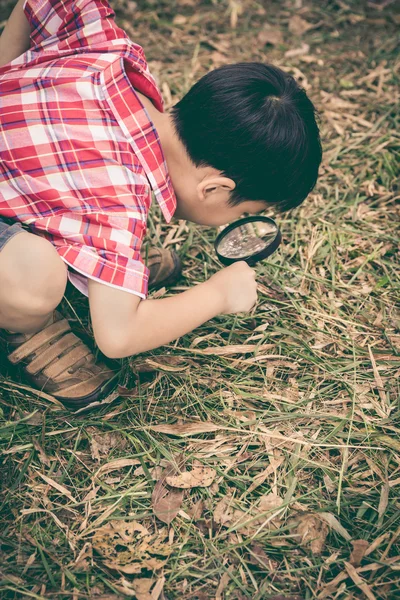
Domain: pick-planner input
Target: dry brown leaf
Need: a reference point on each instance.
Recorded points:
(360, 583)
(304, 49)
(330, 486)
(199, 476)
(219, 59)
(270, 36)
(188, 428)
(142, 587)
(311, 531)
(261, 477)
(164, 362)
(258, 557)
(358, 552)
(235, 9)
(63, 490)
(179, 20)
(166, 502)
(118, 463)
(157, 589)
(235, 349)
(379, 382)
(224, 512)
(196, 510)
(383, 500)
(298, 26)
(223, 583)
(333, 522)
(42, 454)
(91, 494)
(250, 521)
(269, 502)
(129, 547)
(84, 560)
(101, 444)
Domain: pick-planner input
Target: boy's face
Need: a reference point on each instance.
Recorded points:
(219, 214)
(206, 202)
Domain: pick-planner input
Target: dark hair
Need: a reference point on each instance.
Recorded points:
(253, 122)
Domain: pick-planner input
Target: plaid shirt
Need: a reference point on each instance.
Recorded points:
(79, 155)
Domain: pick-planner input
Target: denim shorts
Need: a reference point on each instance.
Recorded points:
(8, 229)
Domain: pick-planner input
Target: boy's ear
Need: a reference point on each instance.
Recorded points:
(212, 184)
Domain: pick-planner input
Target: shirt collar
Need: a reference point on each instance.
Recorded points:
(139, 129)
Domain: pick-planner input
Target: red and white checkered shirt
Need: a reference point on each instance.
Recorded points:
(79, 154)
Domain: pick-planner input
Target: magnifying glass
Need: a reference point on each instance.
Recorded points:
(250, 239)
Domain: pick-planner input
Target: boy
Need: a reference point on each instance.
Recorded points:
(83, 141)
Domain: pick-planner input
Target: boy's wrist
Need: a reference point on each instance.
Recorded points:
(215, 295)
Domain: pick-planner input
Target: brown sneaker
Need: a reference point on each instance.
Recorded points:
(165, 267)
(56, 361)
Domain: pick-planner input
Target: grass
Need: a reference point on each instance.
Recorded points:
(300, 397)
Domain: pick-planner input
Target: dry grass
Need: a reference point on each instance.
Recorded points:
(293, 409)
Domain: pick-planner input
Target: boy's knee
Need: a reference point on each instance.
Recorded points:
(36, 277)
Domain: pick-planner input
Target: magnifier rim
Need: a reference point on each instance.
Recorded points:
(250, 258)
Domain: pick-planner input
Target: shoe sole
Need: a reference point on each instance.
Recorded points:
(96, 396)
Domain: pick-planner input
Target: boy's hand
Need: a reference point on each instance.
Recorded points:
(238, 287)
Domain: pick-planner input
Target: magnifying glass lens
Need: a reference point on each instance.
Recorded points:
(250, 239)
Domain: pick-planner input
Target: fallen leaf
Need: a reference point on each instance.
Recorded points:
(34, 418)
(142, 588)
(234, 349)
(258, 556)
(91, 494)
(270, 36)
(353, 18)
(261, 477)
(248, 522)
(383, 500)
(304, 49)
(298, 26)
(171, 364)
(166, 502)
(157, 589)
(358, 552)
(125, 392)
(332, 521)
(269, 502)
(223, 583)
(84, 560)
(360, 583)
(196, 510)
(188, 428)
(129, 547)
(102, 443)
(118, 463)
(63, 490)
(29, 562)
(199, 476)
(330, 486)
(311, 531)
(219, 59)
(42, 454)
(223, 513)
(179, 20)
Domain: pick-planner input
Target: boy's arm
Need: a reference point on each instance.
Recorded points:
(124, 325)
(15, 40)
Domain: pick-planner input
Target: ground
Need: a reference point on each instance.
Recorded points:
(284, 422)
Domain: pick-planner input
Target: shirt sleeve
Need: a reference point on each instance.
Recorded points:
(70, 24)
